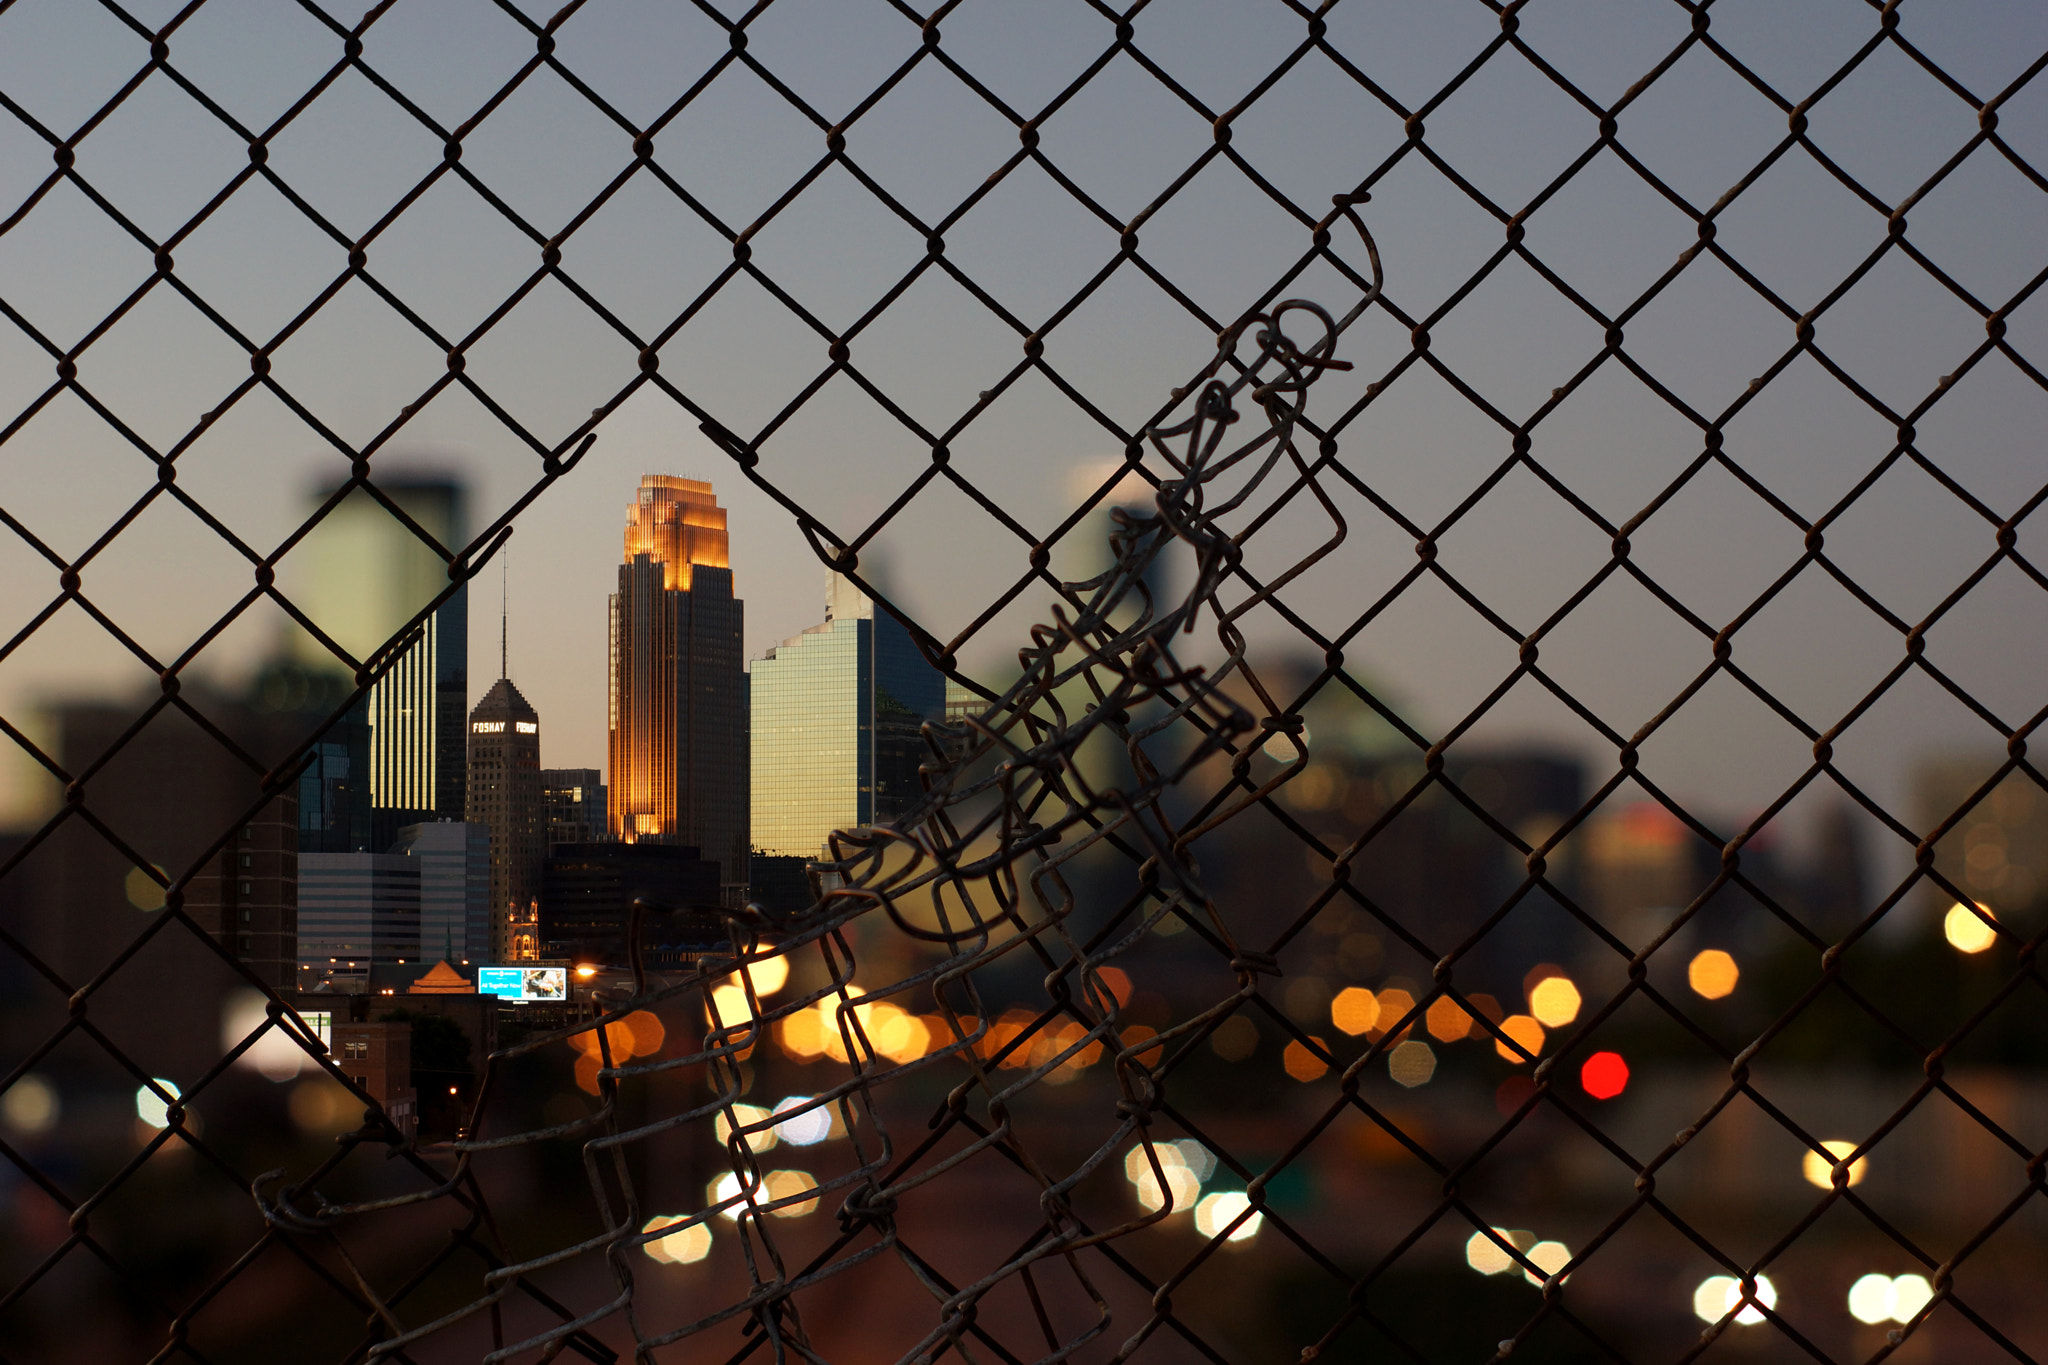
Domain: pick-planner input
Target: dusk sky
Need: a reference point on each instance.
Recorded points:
(66, 474)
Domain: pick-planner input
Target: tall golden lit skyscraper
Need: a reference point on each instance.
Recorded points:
(678, 682)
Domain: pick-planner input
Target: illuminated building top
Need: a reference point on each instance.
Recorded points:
(677, 523)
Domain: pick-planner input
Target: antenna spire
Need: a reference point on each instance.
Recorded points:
(504, 607)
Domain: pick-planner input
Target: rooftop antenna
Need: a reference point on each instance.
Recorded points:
(504, 608)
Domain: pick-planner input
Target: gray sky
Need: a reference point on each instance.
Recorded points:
(66, 474)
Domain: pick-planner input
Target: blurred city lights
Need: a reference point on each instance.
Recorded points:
(1910, 1294)
(1196, 1158)
(1820, 1170)
(768, 975)
(781, 1185)
(1522, 1030)
(1968, 930)
(745, 1116)
(1549, 1257)
(1302, 1063)
(1712, 974)
(274, 1054)
(891, 1031)
(1554, 1001)
(1181, 1184)
(681, 1247)
(727, 1187)
(806, 1129)
(1718, 1294)
(1394, 1006)
(1879, 1298)
(729, 1003)
(150, 1107)
(1218, 1211)
(1604, 1075)
(1447, 1020)
(1355, 1010)
(1486, 1255)
(30, 1106)
(1411, 1063)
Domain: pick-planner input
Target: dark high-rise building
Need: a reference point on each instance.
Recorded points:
(505, 797)
(572, 806)
(456, 923)
(836, 717)
(361, 575)
(170, 792)
(587, 897)
(678, 682)
(249, 897)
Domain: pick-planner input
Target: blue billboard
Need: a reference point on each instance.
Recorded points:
(524, 984)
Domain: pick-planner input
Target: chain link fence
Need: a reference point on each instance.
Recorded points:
(1178, 1021)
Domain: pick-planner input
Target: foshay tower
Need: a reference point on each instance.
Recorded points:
(505, 798)
(678, 682)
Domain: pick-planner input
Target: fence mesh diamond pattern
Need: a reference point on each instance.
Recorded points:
(1076, 1052)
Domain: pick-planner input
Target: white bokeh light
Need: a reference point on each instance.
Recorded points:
(1217, 1211)
(806, 1129)
(150, 1107)
(1719, 1293)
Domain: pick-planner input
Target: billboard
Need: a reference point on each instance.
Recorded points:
(524, 983)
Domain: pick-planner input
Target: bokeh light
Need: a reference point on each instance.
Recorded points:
(781, 1185)
(1522, 1030)
(805, 1129)
(1604, 1075)
(1712, 974)
(1355, 1010)
(1910, 1294)
(30, 1106)
(727, 1187)
(1447, 1020)
(745, 1116)
(144, 892)
(1717, 1294)
(150, 1107)
(1217, 1211)
(1967, 930)
(1394, 1006)
(1549, 1257)
(1820, 1170)
(1181, 1184)
(1554, 1001)
(1486, 1255)
(1411, 1063)
(1302, 1063)
(729, 1003)
(683, 1246)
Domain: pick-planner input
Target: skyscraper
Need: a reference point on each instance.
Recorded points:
(504, 796)
(678, 682)
(455, 884)
(835, 725)
(573, 805)
(361, 575)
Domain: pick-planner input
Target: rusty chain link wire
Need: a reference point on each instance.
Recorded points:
(1082, 844)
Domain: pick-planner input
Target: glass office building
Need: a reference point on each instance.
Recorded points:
(361, 575)
(678, 698)
(356, 911)
(835, 725)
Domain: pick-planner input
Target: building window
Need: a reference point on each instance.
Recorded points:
(248, 888)
(245, 860)
(248, 833)
(245, 914)
(247, 945)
